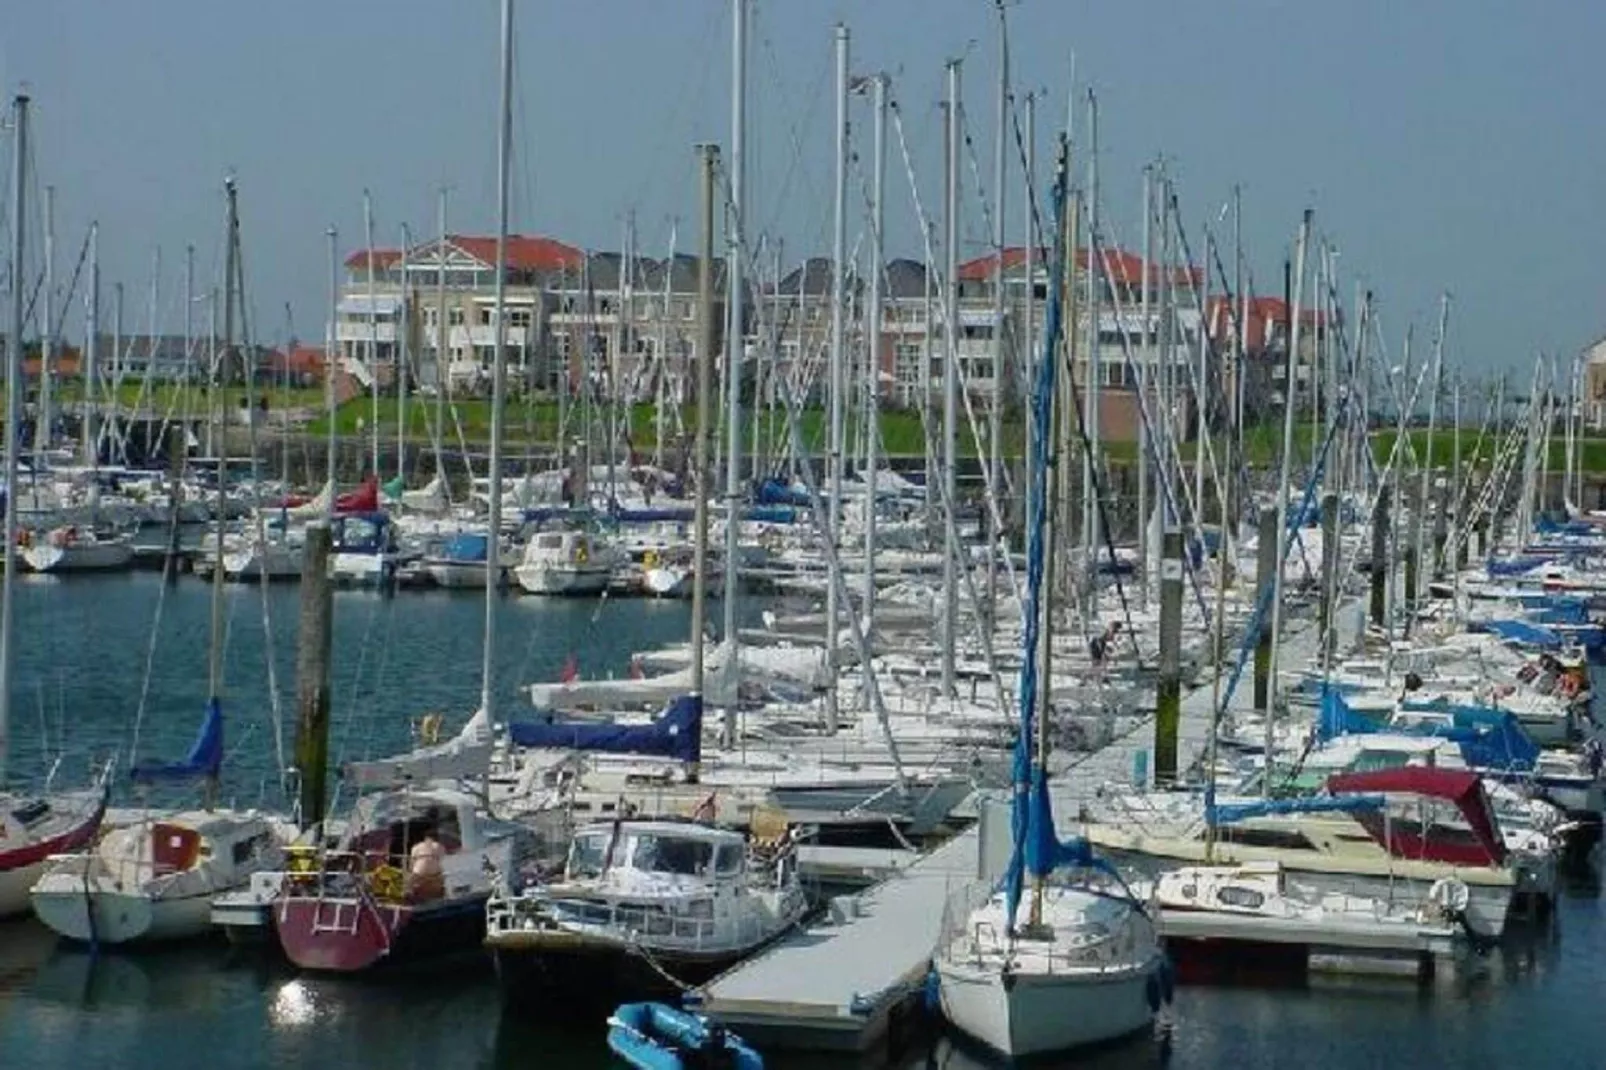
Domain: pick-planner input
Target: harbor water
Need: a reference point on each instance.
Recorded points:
(117, 666)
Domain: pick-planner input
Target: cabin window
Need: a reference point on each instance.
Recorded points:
(245, 849)
(1288, 839)
(728, 860)
(552, 541)
(661, 854)
(1244, 898)
(588, 856)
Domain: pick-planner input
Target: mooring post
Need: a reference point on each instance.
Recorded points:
(1266, 565)
(313, 649)
(1168, 692)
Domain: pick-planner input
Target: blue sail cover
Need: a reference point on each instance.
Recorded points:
(775, 492)
(1513, 566)
(467, 547)
(1337, 719)
(1524, 634)
(205, 759)
(676, 733)
(679, 515)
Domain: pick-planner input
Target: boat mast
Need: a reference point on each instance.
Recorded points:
(442, 374)
(403, 331)
(86, 429)
(329, 367)
(231, 253)
(1146, 368)
(493, 553)
(1095, 362)
(949, 633)
(735, 320)
(19, 151)
(995, 421)
(41, 433)
(878, 169)
(838, 386)
(373, 327)
(708, 156)
(1282, 487)
(1425, 482)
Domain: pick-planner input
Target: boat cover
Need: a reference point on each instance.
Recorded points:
(677, 733)
(465, 755)
(1405, 839)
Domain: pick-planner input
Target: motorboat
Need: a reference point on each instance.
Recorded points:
(460, 563)
(364, 552)
(639, 902)
(565, 563)
(155, 880)
(656, 1036)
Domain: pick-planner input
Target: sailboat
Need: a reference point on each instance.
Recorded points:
(1086, 965)
(356, 908)
(155, 879)
(32, 827)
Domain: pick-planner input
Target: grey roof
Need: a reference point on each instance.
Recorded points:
(906, 278)
(604, 270)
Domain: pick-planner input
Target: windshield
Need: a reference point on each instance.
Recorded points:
(661, 854)
(587, 855)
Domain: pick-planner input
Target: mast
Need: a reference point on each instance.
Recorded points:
(833, 608)
(995, 416)
(19, 151)
(708, 158)
(1028, 201)
(1095, 357)
(330, 364)
(442, 373)
(1425, 482)
(403, 330)
(231, 254)
(950, 392)
(373, 328)
(1145, 374)
(735, 336)
(493, 554)
(1282, 487)
(86, 427)
(878, 170)
(47, 355)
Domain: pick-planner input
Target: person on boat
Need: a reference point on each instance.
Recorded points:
(1098, 647)
(426, 878)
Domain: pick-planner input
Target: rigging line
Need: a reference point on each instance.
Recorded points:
(797, 131)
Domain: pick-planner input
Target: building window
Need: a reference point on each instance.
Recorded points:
(485, 315)
(454, 317)
(688, 310)
(518, 317)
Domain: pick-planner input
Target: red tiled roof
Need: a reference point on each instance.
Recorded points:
(524, 252)
(1264, 312)
(383, 258)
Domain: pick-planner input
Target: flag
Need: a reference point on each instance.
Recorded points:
(571, 671)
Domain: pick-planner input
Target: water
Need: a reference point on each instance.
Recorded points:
(83, 645)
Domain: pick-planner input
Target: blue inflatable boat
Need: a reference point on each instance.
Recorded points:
(656, 1036)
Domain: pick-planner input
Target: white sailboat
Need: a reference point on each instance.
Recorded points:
(32, 827)
(1085, 966)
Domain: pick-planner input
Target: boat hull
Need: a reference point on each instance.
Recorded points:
(357, 934)
(457, 575)
(21, 867)
(79, 557)
(595, 973)
(1038, 1013)
(103, 915)
(543, 579)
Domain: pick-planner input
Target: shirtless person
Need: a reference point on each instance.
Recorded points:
(425, 877)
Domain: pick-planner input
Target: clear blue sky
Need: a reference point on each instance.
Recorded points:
(1445, 144)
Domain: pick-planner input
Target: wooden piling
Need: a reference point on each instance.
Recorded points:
(1168, 692)
(314, 643)
(1266, 565)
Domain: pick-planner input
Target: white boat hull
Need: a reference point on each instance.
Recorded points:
(546, 579)
(62, 904)
(1038, 1013)
(458, 575)
(79, 557)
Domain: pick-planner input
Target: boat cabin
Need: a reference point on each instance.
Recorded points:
(576, 548)
(664, 848)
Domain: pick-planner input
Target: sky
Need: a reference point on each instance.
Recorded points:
(1444, 145)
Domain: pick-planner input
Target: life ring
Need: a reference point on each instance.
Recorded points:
(580, 554)
(649, 560)
(1450, 895)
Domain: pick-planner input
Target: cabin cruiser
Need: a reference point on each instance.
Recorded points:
(75, 549)
(154, 880)
(364, 553)
(639, 900)
(565, 563)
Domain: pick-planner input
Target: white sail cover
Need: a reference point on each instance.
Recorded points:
(465, 755)
(430, 498)
(719, 689)
(318, 507)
